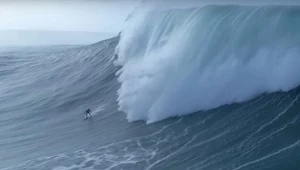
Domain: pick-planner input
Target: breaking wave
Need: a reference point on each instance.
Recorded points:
(178, 61)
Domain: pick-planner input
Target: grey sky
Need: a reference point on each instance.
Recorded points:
(84, 15)
(75, 15)
(102, 16)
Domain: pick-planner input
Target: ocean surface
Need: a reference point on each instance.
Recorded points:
(210, 88)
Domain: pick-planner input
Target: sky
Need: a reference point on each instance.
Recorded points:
(100, 19)
(65, 15)
(80, 15)
(51, 22)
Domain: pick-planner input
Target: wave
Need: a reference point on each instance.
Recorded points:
(178, 61)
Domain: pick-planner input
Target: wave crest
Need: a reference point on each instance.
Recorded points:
(179, 61)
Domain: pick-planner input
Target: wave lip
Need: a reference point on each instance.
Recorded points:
(179, 61)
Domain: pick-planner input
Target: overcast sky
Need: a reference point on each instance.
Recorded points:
(81, 15)
(65, 15)
(102, 16)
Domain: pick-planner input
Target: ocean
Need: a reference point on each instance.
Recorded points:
(208, 88)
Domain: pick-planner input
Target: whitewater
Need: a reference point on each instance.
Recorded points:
(202, 88)
(177, 62)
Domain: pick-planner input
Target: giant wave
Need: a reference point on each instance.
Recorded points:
(178, 61)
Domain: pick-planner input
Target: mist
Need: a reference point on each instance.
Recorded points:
(42, 38)
(32, 22)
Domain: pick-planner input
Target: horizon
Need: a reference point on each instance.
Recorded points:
(40, 30)
(83, 22)
(86, 16)
(49, 37)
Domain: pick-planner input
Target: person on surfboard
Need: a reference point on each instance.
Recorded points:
(88, 112)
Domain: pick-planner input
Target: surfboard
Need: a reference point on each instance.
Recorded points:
(85, 117)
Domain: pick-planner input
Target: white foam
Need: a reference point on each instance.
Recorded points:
(176, 62)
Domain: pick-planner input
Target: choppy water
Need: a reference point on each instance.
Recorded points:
(249, 125)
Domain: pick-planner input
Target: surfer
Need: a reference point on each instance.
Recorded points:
(88, 112)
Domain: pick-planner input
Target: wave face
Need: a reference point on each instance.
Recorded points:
(179, 61)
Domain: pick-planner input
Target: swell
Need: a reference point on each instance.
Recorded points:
(178, 61)
(55, 79)
(44, 92)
